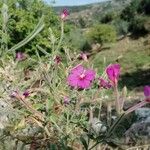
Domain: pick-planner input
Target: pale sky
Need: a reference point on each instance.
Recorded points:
(72, 2)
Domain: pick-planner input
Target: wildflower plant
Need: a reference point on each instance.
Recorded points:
(55, 101)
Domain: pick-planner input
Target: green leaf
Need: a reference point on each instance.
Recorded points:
(52, 147)
(38, 106)
(37, 29)
(84, 143)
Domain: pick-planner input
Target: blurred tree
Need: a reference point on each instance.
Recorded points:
(144, 7)
(77, 40)
(135, 14)
(138, 25)
(110, 16)
(23, 17)
(130, 11)
(101, 34)
(82, 22)
(122, 27)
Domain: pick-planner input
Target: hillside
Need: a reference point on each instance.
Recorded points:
(92, 13)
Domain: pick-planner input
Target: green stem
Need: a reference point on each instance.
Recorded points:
(114, 125)
(110, 131)
(61, 37)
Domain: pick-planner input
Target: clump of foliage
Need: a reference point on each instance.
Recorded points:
(144, 7)
(108, 17)
(130, 11)
(137, 14)
(76, 43)
(122, 26)
(102, 34)
(138, 25)
(23, 17)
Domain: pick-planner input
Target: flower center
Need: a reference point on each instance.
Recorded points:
(82, 76)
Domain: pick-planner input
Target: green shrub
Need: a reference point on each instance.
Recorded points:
(82, 22)
(23, 17)
(110, 16)
(77, 40)
(102, 33)
(136, 14)
(130, 11)
(121, 26)
(144, 7)
(138, 26)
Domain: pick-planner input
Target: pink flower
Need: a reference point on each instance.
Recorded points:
(66, 100)
(81, 77)
(147, 93)
(57, 60)
(83, 56)
(64, 14)
(104, 84)
(26, 94)
(20, 56)
(17, 95)
(113, 72)
(14, 94)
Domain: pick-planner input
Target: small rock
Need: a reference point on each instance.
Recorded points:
(98, 126)
(142, 113)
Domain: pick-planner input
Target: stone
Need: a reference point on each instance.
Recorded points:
(98, 126)
(142, 113)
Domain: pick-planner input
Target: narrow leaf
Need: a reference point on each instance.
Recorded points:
(37, 29)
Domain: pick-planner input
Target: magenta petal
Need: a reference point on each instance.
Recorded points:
(65, 11)
(87, 84)
(83, 56)
(116, 70)
(72, 77)
(66, 100)
(77, 70)
(147, 91)
(109, 72)
(84, 84)
(57, 60)
(26, 94)
(64, 14)
(20, 56)
(113, 72)
(14, 94)
(105, 84)
(72, 80)
(90, 74)
(73, 83)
